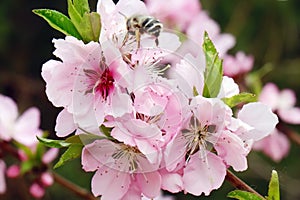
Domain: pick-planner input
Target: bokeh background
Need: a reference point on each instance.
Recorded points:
(267, 29)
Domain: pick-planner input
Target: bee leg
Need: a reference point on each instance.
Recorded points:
(156, 41)
(125, 39)
(138, 38)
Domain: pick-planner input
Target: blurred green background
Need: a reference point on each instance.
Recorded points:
(267, 29)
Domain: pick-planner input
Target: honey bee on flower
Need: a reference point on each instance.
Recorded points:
(139, 24)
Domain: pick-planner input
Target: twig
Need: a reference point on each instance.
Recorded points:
(239, 184)
(73, 187)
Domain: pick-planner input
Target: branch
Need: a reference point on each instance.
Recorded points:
(239, 184)
(73, 187)
(7, 148)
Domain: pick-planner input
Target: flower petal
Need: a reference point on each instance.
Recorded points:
(150, 183)
(260, 117)
(203, 176)
(27, 127)
(291, 116)
(64, 124)
(231, 148)
(110, 183)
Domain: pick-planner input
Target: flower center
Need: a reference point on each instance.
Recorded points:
(104, 85)
(130, 155)
(197, 136)
(101, 83)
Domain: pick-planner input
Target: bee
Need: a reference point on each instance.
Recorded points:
(140, 24)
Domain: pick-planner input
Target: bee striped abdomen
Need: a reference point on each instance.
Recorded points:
(152, 26)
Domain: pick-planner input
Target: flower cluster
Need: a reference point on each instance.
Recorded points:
(18, 137)
(277, 144)
(141, 92)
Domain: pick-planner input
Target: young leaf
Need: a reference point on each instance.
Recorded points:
(26, 166)
(105, 130)
(273, 192)
(243, 195)
(213, 72)
(74, 151)
(240, 98)
(83, 139)
(82, 6)
(88, 24)
(58, 21)
(53, 143)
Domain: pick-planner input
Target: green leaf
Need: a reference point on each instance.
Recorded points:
(74, 151)
(240, 98)
(82, 6)
(213, 72)
(105, 130)
(83, 139)
(243, 195)
(27, 166)
(53, 143)
(58, 21)
(273, 192)
(87, 24)
(195, 92)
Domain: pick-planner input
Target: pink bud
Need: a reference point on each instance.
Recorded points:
(47, 179)
(50, 155)
(22, 155)
(13, 171)
(36, 190)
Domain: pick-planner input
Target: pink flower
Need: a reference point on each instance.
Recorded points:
(202, 22)
(175, 13)
(158, 110)
(114, 28)
(276, 145)
(208, 119)
(23, 128)
(119, 169)
(282, 102)
(85, 83)
(2, 177)
(239, 64)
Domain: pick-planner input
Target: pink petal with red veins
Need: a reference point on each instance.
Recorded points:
(231, 148)
(202, 177)
(171, 182)
(97, 154)
(175, 152)
(110, 183)
(150, 151)
(149, 183)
